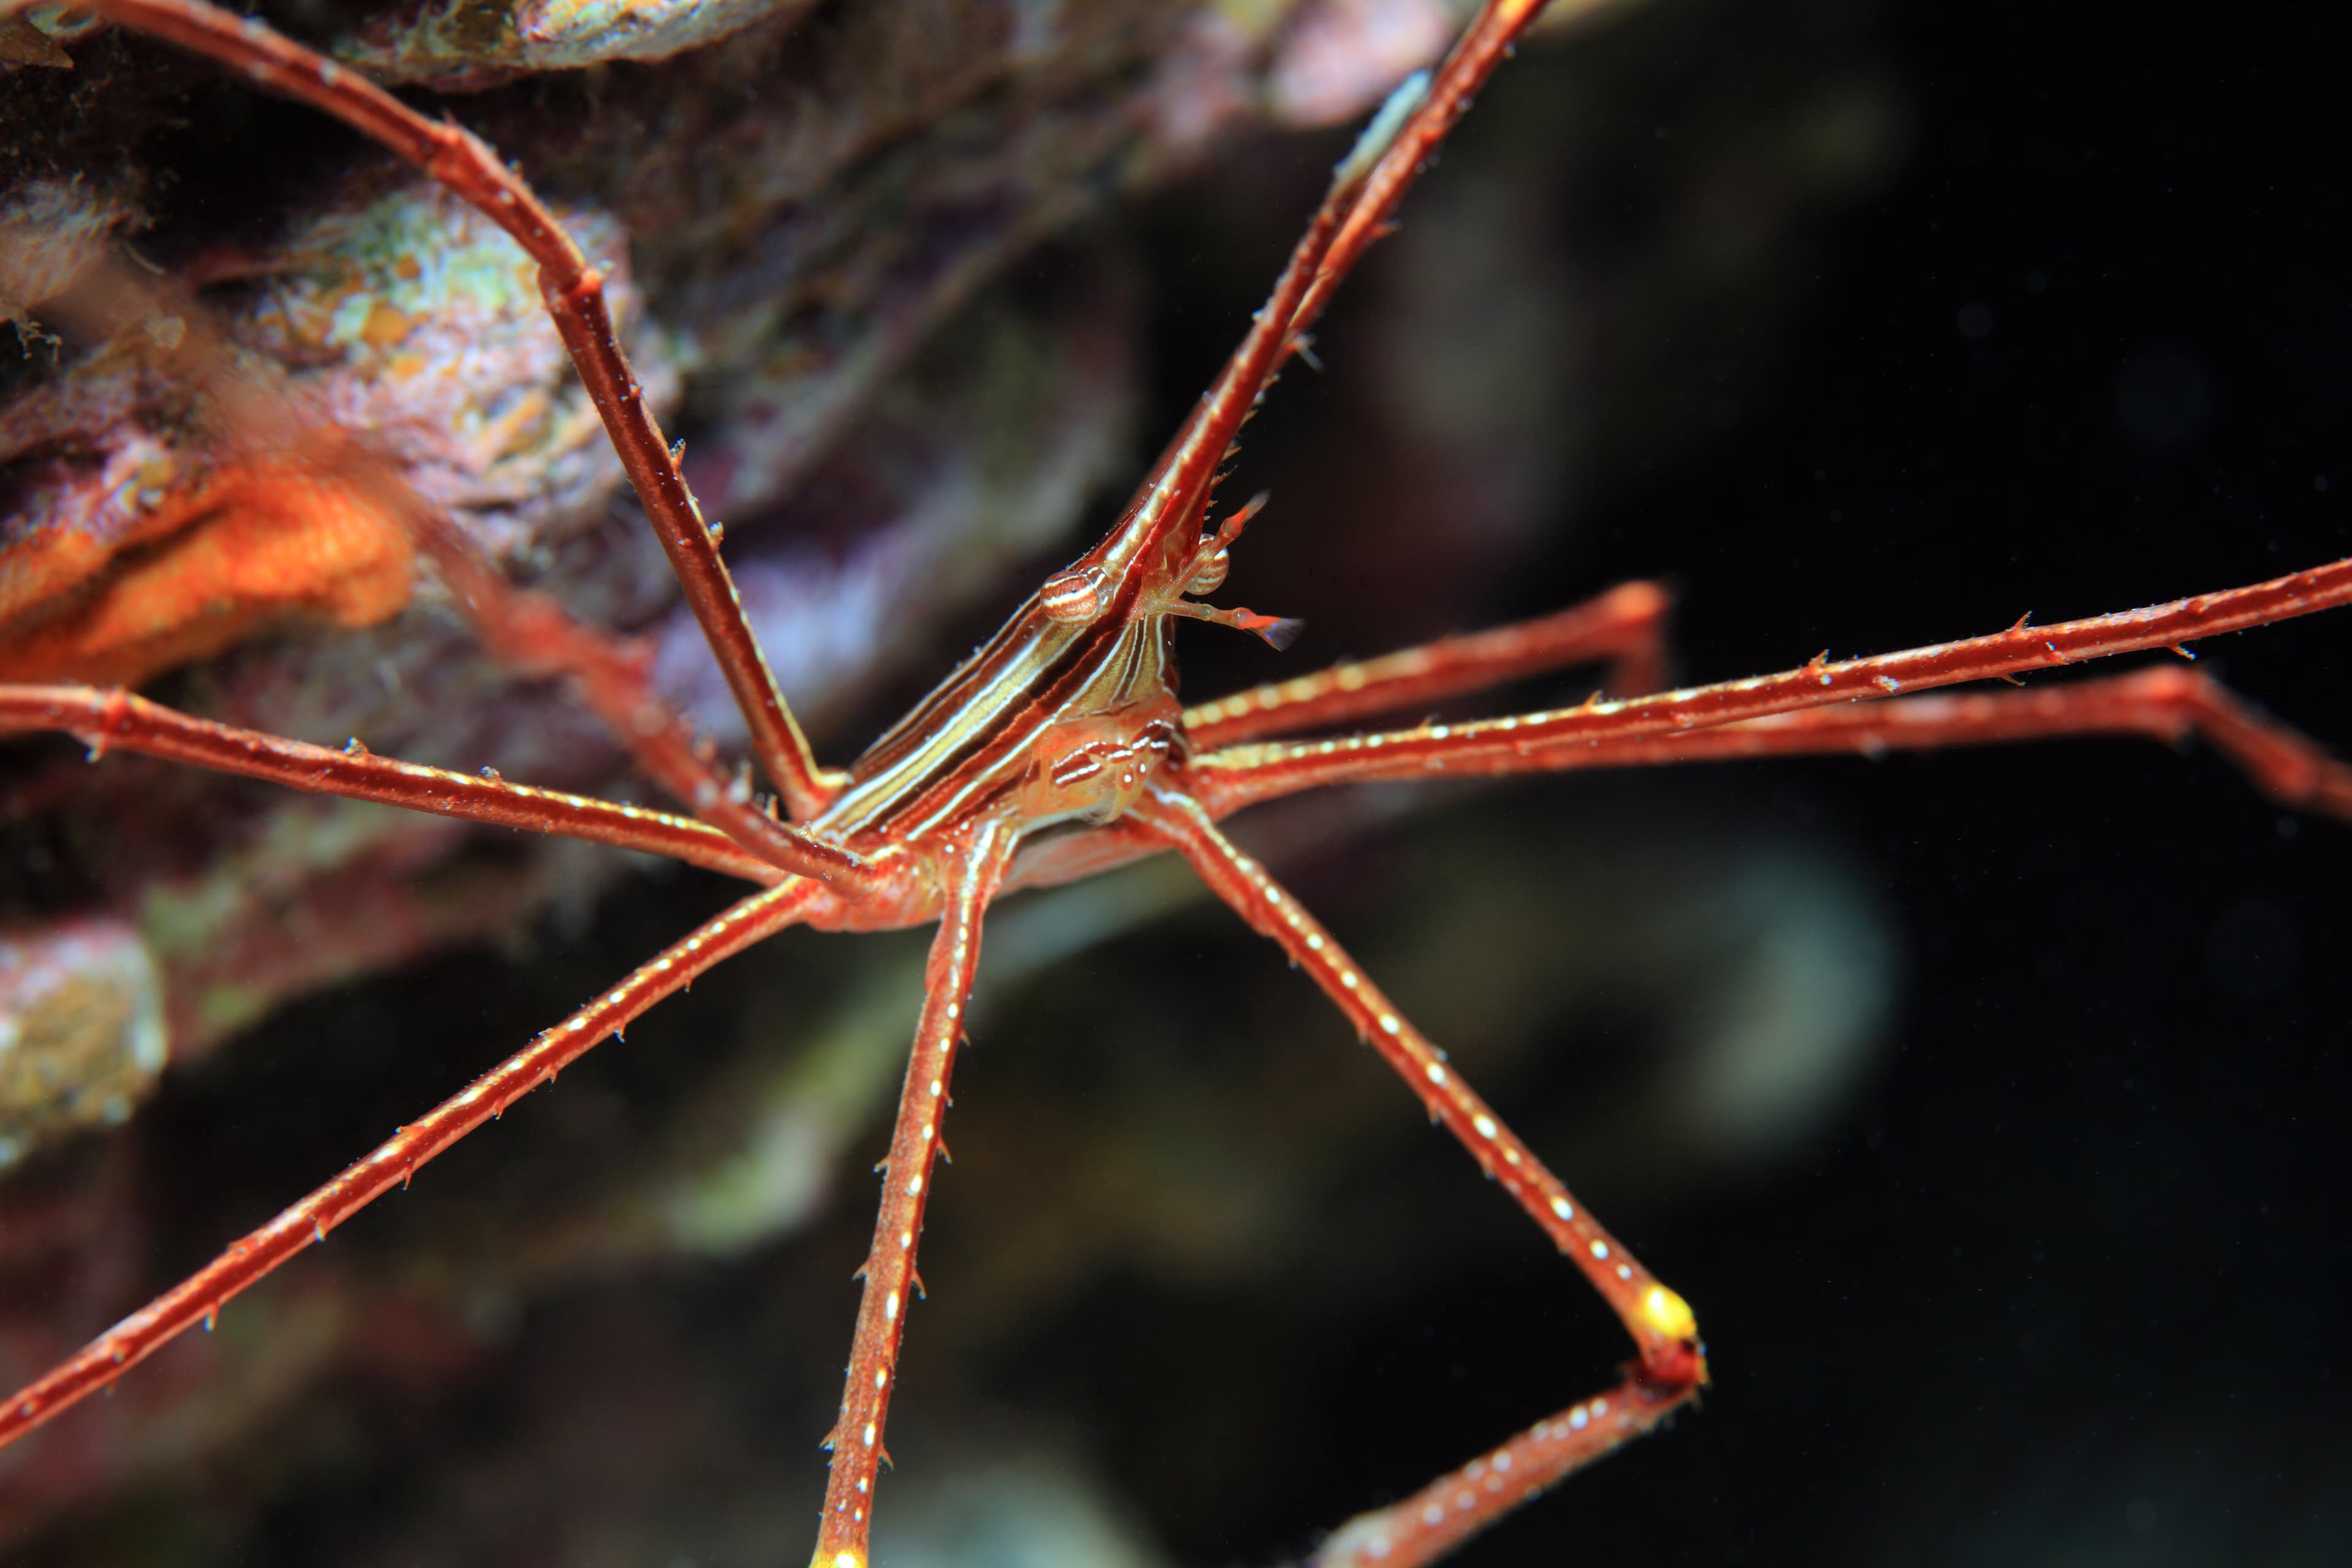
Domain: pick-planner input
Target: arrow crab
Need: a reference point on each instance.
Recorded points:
(1065, 733)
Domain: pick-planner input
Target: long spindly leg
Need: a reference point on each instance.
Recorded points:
(1226, 779)
(1671, 1367)
(976, 870)
(1484, 44)
(2165, 703)
(109, 719)
(534, 634)
(1401, 141)
(527, 631)
(196, 1298)
(575, 293)
(1626, 626)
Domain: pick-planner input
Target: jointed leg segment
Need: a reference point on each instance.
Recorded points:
(1449, 1510)
(1225, 780)
(111, 718)
(1673, 1367)
(1817, 708)
(2165, 703)
(1625, 627)
(574, 294)
(533, 634)
(891, 1283)
(527, 630)
(197, 1298)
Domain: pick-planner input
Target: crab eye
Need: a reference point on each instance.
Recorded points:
(1208, 573)
(1074, 596)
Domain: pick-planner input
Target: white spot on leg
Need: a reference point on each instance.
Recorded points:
(1563, 1209)
(1600, 1249)
(869, 1434)
(1485, 1126)
(914, 1185)
(891, 1308)
(1436, 1074)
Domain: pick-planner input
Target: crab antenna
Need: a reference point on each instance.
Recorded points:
(1232, 528)
(1278, 631)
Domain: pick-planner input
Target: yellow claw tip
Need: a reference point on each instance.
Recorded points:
(837, 1559)
(1669, 1314)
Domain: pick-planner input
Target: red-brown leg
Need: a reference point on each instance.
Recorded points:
(1225, 780)
(527, 631)
(2166, 703)
(1625, 627)
(1673, 1367)
(1401, 141)
(1484, 44)
(199, 1297)
(534, 634)
(109, 719)
(1449, 1510)
(977, 868)
(575, 293)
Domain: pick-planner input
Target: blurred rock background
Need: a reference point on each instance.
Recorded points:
(1983, 1105)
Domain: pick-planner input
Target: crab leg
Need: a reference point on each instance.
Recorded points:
(976, 870)
(1625, 625)
(2165, 703)
(1365, 190)
(532, 633)
(574, 294)
(1484, 44)
(1225, 780)
(1449, 1510)
(199, 1297)
(529, 631)
(109, 719)
(1673, 1367)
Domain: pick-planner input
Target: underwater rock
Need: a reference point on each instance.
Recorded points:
(81, 1030)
